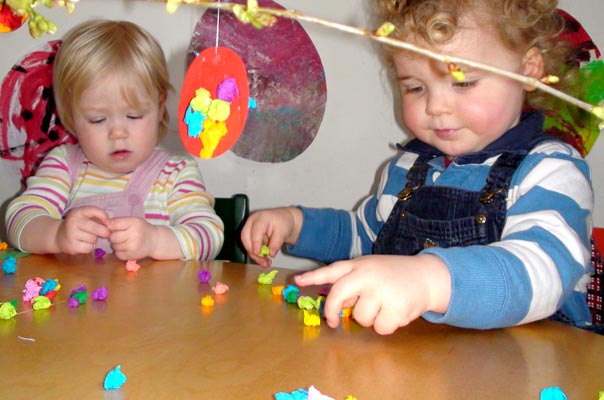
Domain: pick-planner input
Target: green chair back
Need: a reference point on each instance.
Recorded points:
(233, 211)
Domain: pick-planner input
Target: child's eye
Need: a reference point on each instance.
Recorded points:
(95, 121)
(413, 89)
(465, 84)
(135, 116)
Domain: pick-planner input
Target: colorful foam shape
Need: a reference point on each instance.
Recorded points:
(100, 294)
(552, 393)
(266, 278)
(9, 265)
(132, 266)
(114, 379)
(204, 276)
(7, 310)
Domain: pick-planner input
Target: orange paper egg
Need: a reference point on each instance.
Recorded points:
(218, 118)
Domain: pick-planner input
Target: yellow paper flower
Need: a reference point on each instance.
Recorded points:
(456, 72)
(250, 15)
(550, 79)
(386, 29)
(37, 23)
(599, 112)
(172, 5)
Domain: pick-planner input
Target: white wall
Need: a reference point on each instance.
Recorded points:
(357, 131)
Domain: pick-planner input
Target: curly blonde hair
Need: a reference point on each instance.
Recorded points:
(98, 47)
(520, 25)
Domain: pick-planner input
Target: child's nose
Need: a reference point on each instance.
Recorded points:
(118, 132)
(438, 104)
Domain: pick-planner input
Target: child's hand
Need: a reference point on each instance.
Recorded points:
(79, 230)
(271, 227)
(132, 238)
(387, 292)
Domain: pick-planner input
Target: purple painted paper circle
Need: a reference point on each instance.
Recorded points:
(286, 79)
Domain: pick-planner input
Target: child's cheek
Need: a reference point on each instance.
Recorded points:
(413, 115)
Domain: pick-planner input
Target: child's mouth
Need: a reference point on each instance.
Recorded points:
(120, 154)
(445, 133)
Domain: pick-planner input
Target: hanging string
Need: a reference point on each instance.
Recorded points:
(217, 29)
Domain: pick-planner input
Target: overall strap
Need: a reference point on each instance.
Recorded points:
(504, 168)
(416, 176)
(146, 174)
(500, 176)
(74, 160)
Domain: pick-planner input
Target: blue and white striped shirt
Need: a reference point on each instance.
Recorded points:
(540, 265)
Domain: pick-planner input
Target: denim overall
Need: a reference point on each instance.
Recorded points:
(430, 216)
(127, 203)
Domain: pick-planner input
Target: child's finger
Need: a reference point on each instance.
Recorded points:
(93, 228)
(385, 322)
(324, 275)
(264, 262)
(95, 213)
(252, 236)
(366, 310)
(245, 237)
(117, 224)
(341, 295)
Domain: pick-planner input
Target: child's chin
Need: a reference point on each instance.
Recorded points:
(122, 169)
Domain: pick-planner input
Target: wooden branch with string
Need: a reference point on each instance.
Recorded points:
(266, 17)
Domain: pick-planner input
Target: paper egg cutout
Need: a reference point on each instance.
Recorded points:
(213, 105)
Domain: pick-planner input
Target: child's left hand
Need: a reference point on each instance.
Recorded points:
(131, 238)
(387, 291)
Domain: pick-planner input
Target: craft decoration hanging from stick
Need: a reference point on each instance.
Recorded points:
(286, 79)
(29, 122)
(14, 13)
(571, 124)
(261, 17)
(9, 19)
(213, 104)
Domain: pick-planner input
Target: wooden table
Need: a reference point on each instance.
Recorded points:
(250, 344)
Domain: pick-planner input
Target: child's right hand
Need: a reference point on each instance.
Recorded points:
(272, 227)
(386, 291)
(79, 230)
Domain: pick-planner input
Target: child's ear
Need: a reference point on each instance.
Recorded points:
(162, 105)
(532, 65)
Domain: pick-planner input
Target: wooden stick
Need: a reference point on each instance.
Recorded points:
(598, 111)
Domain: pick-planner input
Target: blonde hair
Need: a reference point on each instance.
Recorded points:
(96, 48)
(519, 24)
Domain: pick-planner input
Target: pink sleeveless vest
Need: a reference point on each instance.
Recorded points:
(127, 203)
